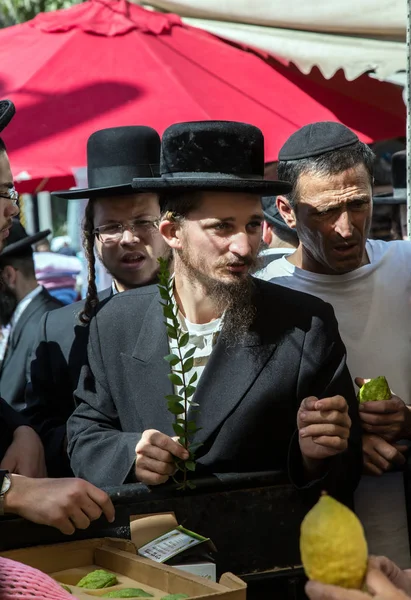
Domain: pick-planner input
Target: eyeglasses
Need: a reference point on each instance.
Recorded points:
(11, 194)
(114, 232)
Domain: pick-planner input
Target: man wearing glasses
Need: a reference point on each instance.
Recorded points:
(66, 503)
(120, 226)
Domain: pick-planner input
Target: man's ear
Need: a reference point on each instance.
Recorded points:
(170, 229)
(9, 276)
(267, 233)
(286, 211)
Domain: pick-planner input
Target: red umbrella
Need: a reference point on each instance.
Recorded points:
(107, 63)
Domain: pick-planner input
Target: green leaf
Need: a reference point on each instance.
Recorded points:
(183, 442)
(168, 312)
(178, 429)
(175, 379)
(171, 332)
(181, 421)
(191, 426)
(173, 359)
(188, 365)
(191, 466)
(183, 341)
(174, 398)
(189, 353)
(193, 378)
(163, 294)
(176, 409)
(190, 484)
(189, 391)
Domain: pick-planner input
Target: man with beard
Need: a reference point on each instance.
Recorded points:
(259, 378)
(67, 503)
(22, 304)
(121, 226)
(368, 283)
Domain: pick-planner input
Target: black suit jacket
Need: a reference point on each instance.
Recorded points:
(60, 350)
(248, 394)
(16, 363)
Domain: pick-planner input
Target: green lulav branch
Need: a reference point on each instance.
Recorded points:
(181, 362)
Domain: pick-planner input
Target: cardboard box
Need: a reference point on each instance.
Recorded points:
(156, 536)
(69, 562)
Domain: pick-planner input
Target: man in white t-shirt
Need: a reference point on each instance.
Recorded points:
(368, 283)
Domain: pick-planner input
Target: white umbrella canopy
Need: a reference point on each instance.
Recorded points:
(358, 36)
(363, 17)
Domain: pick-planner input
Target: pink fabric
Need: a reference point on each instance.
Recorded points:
(20, 582)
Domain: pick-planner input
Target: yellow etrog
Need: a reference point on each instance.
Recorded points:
(333, 546)
(375, 389)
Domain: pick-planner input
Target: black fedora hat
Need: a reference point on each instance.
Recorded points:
(19, 243)
(214, 156)
(115, 156)
(7, 112)
(399, 181)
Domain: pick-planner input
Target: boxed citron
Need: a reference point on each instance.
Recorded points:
(110, 568)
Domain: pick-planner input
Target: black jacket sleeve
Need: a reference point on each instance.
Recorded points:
(98, 449)
(332, 378)
(45, 395)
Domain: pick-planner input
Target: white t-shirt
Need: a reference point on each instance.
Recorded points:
(373, 308)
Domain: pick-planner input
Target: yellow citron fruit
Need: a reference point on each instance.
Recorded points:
(332, 544)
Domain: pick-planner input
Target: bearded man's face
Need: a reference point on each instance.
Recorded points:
(220, 241)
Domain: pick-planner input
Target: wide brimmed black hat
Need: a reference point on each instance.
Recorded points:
(19, 243)
(7, 112)
(399, 181)
(115, 157)
(215, 156)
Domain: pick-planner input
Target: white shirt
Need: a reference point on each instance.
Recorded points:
(373, 308)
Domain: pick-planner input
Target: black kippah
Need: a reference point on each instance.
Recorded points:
(316, 139)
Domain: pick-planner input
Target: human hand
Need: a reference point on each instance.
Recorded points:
(66, 504)
(390, 419)
(324, 427)
(155, 454)
(401, 579)
(378, 586)
(379, 456)
(25, 455)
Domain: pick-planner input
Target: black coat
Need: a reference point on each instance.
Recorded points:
(248, 394)
(60, 350)
(16, 363)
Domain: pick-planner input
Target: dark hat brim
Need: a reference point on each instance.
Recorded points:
(101, 192)
(7, 112)
(24, 244)
(389, 199)
(261, 187)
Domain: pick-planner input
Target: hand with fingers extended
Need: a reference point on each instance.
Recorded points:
(67, 504)
(378, 585)
(324, 427)
(380, 456)
(155, 457)
(389, 419)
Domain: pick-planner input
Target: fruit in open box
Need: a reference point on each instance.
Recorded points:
(98, 579)
(333, 546)
(128, 593)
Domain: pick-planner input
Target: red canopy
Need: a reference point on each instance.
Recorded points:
(107, 63)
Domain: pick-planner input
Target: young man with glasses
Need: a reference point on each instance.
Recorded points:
(66, 503)
(120, 226)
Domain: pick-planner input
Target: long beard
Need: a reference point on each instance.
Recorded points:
(8, 303)
(233, 298)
